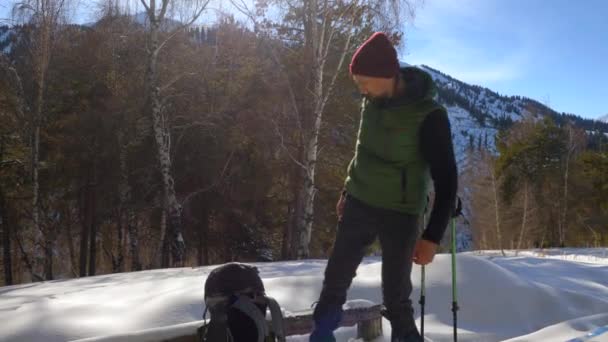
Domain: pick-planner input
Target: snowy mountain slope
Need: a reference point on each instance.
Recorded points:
(500, 298)
(6, 35)
(477, 113)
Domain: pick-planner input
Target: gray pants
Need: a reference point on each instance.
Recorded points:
(359, 227)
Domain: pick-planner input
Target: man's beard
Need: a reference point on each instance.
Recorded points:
(380, 101)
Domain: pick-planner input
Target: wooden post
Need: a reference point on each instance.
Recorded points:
(370, 329)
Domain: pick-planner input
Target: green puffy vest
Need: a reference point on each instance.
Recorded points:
(388, 170)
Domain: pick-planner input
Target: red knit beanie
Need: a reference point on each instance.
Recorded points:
(376, 57)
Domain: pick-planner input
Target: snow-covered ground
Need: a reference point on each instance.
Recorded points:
(550, 295)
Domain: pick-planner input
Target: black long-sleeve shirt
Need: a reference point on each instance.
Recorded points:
(438, 151)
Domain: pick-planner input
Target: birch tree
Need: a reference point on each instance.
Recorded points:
(322, 34)
(158, 34)
(44, 17)
(12, 156)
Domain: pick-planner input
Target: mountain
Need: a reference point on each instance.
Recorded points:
(7, 34)
(603, 118)
(477, 113)
(142, 19)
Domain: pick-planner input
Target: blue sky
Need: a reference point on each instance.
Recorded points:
(554, 51)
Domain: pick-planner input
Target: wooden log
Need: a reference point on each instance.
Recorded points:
(367, 319)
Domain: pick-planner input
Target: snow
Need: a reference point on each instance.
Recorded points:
(150, 335)
(534, 295)
(569, 330)
(586, 255)
(3, 37)
(437, 77)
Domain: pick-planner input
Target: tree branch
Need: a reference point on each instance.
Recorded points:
(276, 127)
(292, 95)
(197, 14)
(148, 10)
(244, 9)
(176, 79)
(11, 161)
(213, 185)
(163, 10)
(352, 6)
(339, 67)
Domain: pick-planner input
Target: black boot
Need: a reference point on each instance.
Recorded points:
(327, 317)
(412, 336)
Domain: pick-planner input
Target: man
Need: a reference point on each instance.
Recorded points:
(404, 139)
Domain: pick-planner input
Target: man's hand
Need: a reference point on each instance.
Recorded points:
(424, 252)
(340, 206)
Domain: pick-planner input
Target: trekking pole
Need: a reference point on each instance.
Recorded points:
(422, 298)
(422, 287)
(455, 307)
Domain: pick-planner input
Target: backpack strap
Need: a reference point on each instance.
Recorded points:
(277, 319)
(216, 329)
(246, 306)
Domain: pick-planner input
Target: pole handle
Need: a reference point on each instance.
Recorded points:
(458, 210)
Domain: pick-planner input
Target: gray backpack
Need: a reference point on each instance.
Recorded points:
(237, 303)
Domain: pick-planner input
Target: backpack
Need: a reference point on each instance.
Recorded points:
(236, 300)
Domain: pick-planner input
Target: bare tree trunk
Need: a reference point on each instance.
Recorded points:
(286, 238)
(26, 259)
(133, 240)
(288, 250)
(49, 247)
(6, 238)
(304, 217)
(523, 223)
(71, 249)
(93, 247)
(84, 232)
(171, 227)
(38, 257)
(94, 223)
(14, 81)
(562, 223)
(87, 223)
(42, 66)
(44, 15)
(164, 254)
(571, 147)
(319, 40)
(203, 243)
(496, 210)
(118, 260)
(124, 198)
(201, 246)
